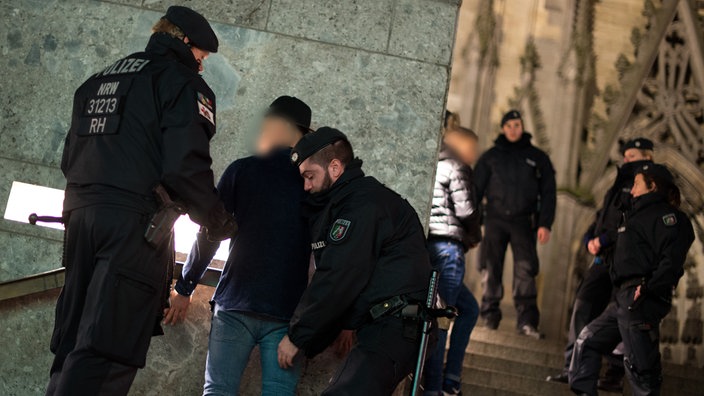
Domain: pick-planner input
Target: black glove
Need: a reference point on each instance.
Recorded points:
(220, 227)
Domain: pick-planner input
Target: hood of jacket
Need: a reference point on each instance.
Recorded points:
(167, 46)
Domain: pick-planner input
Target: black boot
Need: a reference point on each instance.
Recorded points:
(562, 378)
(613, 377)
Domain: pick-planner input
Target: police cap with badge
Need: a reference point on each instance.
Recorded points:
(658, 172)
(314, 142)
(194, 26)
(637, 143)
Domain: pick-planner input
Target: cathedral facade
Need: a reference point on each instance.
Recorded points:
(586, 75)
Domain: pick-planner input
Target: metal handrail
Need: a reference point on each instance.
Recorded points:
(54, 279)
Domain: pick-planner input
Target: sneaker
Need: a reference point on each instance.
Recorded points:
(561, 378)
(530, 331)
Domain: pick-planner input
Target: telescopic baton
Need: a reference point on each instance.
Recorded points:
(428, 315)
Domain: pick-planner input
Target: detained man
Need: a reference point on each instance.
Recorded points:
(267, 269)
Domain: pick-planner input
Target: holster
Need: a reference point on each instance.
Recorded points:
(398, 306)
(162, 223)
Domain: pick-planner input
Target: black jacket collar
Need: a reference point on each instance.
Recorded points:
(167, 46)
(503, 143)
(647, 200)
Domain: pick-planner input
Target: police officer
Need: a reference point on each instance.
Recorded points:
(651, 248)
(594, 293)
(518, 181)
(371, 267)
(144, 121)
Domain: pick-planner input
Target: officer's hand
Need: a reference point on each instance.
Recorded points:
(594, 246)
(224, 230)
(287, 353)
(179, 304)
(636, 296)
(543, 235)
(344, 343)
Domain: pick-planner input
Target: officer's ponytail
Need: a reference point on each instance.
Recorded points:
(665, 187)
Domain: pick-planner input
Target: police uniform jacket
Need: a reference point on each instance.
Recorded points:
(369, 246)
(652, 244)
(144, 120)
(518, 180)
(453, 214)
(616, 201)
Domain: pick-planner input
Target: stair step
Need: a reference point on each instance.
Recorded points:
(511, 382)
(492, 363)
(503, 363)
(478, 390)
(512, 339)
(688, 373)
(515, 354)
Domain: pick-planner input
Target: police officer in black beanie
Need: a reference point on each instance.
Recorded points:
(144, 121)
(595, 290)
(371, 266)
(651, 248)
(518, 181)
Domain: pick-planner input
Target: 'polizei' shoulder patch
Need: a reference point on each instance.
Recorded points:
(339, 230)
(205, 108)
(669, 219)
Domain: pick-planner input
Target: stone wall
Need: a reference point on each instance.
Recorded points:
(175, 363)
(376, 69)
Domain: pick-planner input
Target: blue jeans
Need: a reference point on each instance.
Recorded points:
(447, 257)
(233, 335)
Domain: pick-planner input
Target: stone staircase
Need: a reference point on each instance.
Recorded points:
(502, 363)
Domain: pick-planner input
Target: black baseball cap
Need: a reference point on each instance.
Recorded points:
(511, 115)
(657, 172)
(293, 110)
(194, 26)
(637, 143)
(314, 142)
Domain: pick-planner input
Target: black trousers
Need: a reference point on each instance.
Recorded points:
(110, 304)
(639, 330)
(521, 235)
(593, 296)
(382, 358)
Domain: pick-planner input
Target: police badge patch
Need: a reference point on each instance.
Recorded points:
(339, 230)
(205, 108)
(669, 219)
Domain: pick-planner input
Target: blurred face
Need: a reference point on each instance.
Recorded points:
(464, 146)
(640, 187)
(317, 178)
(275, 132)
(513, 130)
(632, 155)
